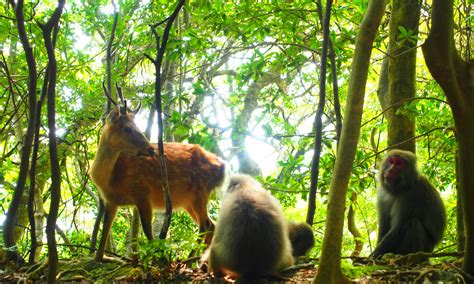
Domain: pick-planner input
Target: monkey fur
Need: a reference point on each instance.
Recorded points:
(251, 236)
(301, 238)
(411, 213)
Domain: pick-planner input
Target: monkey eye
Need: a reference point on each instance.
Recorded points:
(396, 161)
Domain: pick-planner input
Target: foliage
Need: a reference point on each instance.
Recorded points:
(216, 54)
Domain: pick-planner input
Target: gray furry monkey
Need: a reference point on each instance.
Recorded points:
(301, 238)
(251, 236)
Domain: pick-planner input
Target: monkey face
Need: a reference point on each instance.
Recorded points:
(395, 171)
(395, 166)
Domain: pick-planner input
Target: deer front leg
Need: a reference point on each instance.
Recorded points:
(109, 216)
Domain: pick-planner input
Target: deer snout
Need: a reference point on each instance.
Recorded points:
(151, 152)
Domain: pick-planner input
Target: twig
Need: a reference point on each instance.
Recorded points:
(161, 46)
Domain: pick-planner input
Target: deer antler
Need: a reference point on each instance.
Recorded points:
(138, 108)
(124, 107)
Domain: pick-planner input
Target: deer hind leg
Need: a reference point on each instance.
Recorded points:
(146, 213)
(198, 211)
(109, 216)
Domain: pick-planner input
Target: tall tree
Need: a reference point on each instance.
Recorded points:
(403, 32)
(330, 267)
(455, 76)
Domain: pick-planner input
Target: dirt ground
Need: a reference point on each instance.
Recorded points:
(363, 270)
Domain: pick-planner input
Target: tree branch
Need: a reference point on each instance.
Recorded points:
(161, 46)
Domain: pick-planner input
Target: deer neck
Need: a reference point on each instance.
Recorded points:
(104, 163)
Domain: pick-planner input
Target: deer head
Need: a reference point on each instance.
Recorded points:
(120, 132)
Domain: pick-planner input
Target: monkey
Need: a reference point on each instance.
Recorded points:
(301, 238)
(251, 237)
(411, 214)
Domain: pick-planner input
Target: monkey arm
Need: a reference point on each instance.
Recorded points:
(389, 242)
(383, 208)
(384, 227)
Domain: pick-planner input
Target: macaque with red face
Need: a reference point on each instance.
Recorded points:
(411, 213)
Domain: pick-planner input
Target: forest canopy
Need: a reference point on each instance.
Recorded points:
(260, 85)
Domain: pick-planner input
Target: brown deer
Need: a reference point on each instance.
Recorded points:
(127, 173)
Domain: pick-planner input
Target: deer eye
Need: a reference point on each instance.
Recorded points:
(128, 130)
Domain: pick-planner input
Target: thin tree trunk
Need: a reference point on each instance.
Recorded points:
(108, 56)
(55, 188)
(351, 224)
(33, 206)
(330, 266)
(132, 237)
(95, 230)
(39, 218)
(161, 47)
(149, 123)
(241, 123)
(108, 72)
(33, 189)
(12, 213)
(318, 121)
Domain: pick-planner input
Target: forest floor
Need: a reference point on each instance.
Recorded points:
(363, 270)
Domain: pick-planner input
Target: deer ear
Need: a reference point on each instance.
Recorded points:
(113, 115)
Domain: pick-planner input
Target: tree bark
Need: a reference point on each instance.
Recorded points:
(330, 265)
(318, 119)
(55, 188)
(401, 73)
(12, 213)
(33, 189)
(382, 90)
(161, 47)
(351, 225)
(456, 77)
(132, 236)
(246, 164)
(108, 57)
(460, 231)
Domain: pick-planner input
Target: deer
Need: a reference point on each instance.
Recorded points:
(126, 171)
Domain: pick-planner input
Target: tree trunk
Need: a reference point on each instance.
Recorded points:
(455, 76)
(318, 119)
(401, 73)
(382, 90)
(55, 188)
(95, 230)
(246, 164)
(132, 236)
(39, 217)
(352, 226)
(11, 217)
(460, 231)
(161, 47)
(330, 265)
